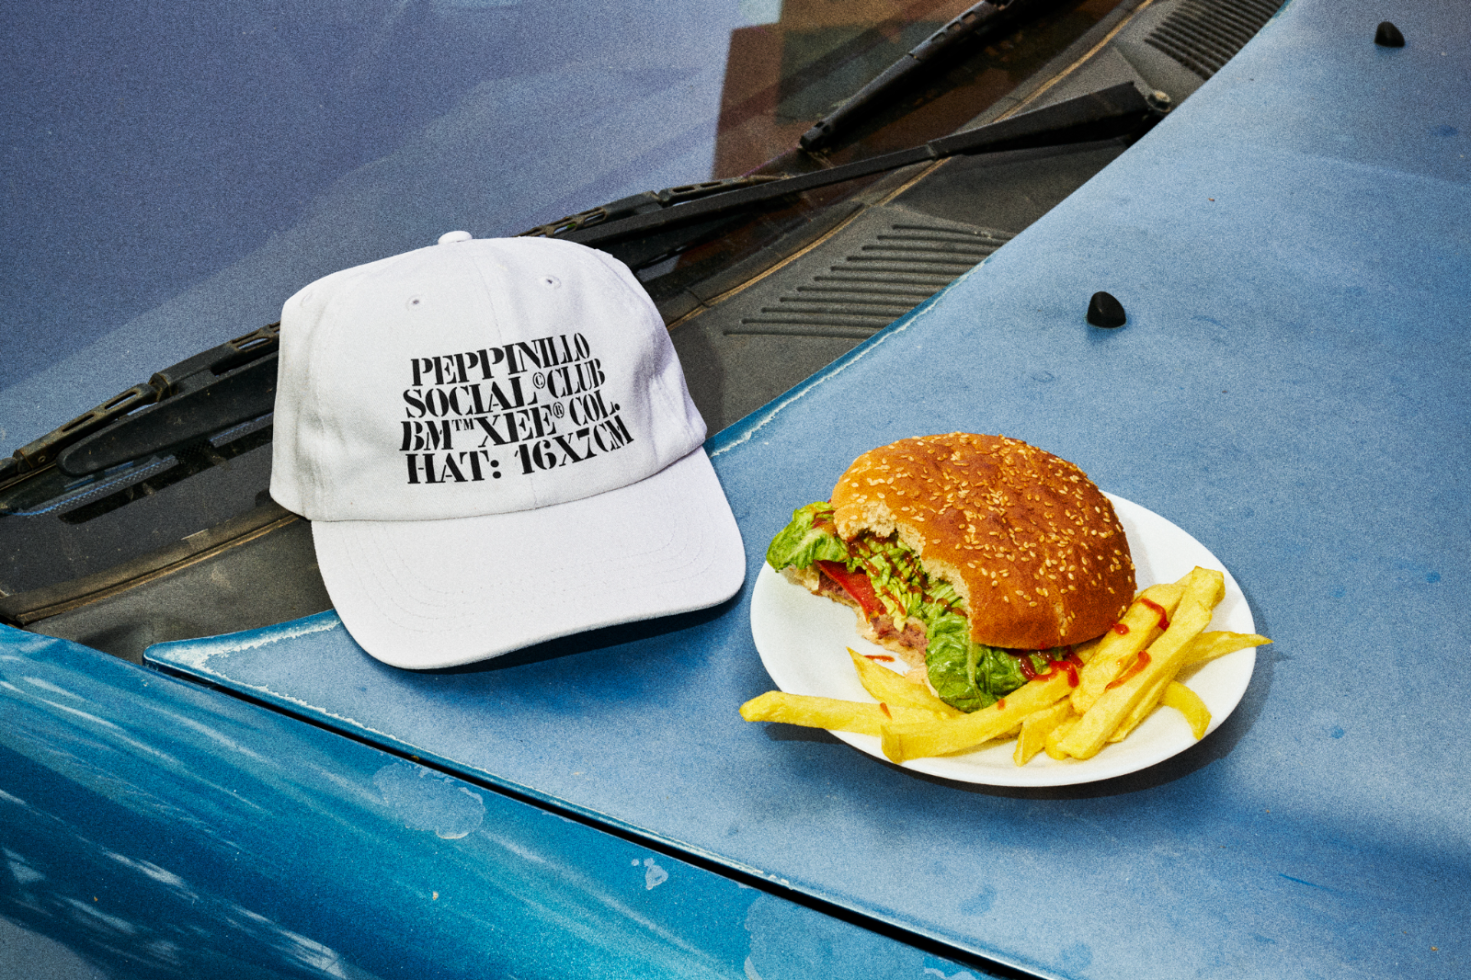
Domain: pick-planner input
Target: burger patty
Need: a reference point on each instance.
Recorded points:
(911, 637)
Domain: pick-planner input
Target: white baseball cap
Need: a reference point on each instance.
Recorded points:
(495, 446)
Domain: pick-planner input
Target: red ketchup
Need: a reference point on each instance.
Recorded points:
(1139, 664)
(1070, 664)
(1164, 620)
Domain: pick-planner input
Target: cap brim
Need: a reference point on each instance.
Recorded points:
(428, 594)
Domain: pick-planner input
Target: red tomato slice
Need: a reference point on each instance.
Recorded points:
(857, 585)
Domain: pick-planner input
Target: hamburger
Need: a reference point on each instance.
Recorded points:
(979, 560)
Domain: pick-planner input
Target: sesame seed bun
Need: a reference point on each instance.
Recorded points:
(1025, 538)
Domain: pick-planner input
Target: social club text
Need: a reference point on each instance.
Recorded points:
(540, 402)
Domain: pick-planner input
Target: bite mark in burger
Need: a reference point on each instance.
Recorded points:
(979, 558)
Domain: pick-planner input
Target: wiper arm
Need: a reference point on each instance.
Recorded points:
(209, 392)
(982, 19)
(1110, 113)
(645, 203)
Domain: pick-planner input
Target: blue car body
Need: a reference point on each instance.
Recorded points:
(154, 828)
(1290, 246)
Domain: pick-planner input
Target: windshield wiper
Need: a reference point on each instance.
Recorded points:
(985, 18)
(235, 382)
(183, 404)
(1118, 111)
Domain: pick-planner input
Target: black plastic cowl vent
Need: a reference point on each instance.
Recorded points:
(876, 283)
(1203, 35)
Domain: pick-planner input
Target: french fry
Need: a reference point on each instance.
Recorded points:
(1206, 647)
(894, 689)
(1055, 737)
(1116, 649)
(1035, 729)
(1165, 657)
(1213, 644)
(907, 740)
(1170, 692)
(1188, 703)
(830, 713)
(1141, 710)
(1208, 586)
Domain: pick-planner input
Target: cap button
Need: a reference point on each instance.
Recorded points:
(450, 237)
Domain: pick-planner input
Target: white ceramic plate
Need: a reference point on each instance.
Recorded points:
(803, 641)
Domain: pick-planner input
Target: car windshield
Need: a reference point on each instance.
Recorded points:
(174, 172)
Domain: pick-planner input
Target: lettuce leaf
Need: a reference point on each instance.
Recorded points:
(965, 674)
(800, 543)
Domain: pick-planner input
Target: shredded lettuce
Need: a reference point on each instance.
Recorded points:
(965, 674)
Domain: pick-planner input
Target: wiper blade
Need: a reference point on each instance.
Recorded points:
(1113, 112)
(209, 392)
(987, 17)
(240, 395)
(648, 201)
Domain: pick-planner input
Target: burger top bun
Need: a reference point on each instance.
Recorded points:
(1026, 538)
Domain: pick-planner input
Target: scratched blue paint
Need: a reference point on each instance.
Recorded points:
(159, 830)
(426, 800)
